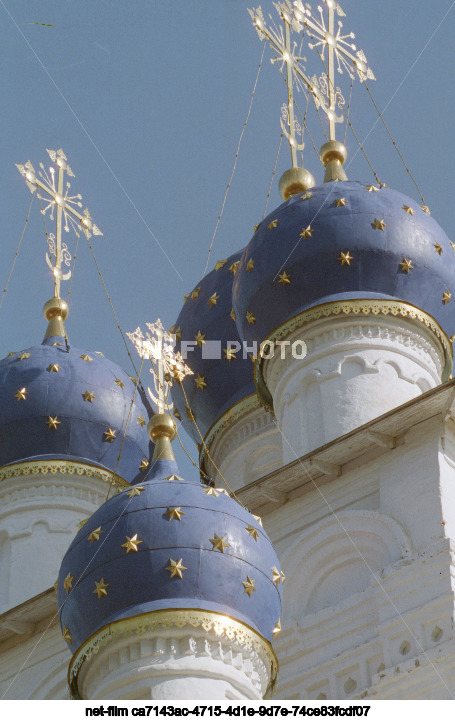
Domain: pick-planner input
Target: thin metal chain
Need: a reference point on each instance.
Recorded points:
(394, 144)
(16, 253)
(72, 271)
(348, 111)
(124, 432)
(273, 175)
(235, 162)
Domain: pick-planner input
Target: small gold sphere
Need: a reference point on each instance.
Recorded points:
(294, 181)
(333, 150)
(55, 308)
(161, 426)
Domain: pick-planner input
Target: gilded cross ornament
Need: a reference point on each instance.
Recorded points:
(176, 568)
(167, 366)
(320, 27)
(55, 190)
(291, 64)
(101, 588)
(131, 544)
(95, 535)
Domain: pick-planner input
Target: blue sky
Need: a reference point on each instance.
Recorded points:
(148, 99)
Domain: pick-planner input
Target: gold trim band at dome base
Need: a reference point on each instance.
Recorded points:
(34, 468)
(221, 624)
(236, 411)
(355, 307)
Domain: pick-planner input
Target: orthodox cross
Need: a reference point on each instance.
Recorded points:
(322, 33)
(167, 366)
(58, 196)
(279, 39)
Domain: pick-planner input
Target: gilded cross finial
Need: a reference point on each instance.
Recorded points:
(57, 196)
(321, 29)
(167, 366)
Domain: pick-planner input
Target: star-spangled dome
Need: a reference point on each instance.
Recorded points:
(169, 544)
(61, 402)
(344, 241)
(220, 377)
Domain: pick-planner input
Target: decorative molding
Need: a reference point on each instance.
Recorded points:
(231, 416)
(44, 468)
(355, 307)
(224, 627)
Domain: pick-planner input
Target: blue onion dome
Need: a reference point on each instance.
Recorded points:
(222, 376)
(167, 545)
(346, 241)
(64, 403)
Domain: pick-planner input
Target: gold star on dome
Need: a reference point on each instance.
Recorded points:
(53, 423)
(195, 293)
(229, 353)
(185, 298)
(250, 318)
(378, 224)
(248, 586)
(250, 265)
(100, 588)
(426, 209)
(258, 519)
(210, 491)
(200, 382)
(219, 264)
(406, 265)
(232, 314)
(119, 383)
(252, 532)
(234, 266)
(176, 568)
(306, 196)
(284, 278)
(135, 491)
(212, 300)
(175, 513)
(273, 224)
(110, 435)
(446, 296)
(23, 356)
(53, 368)
(88, 396)
(276, 576)
(68, 582)
(437, 248)
(132, 543)
(452, 244)
(407, 209)
(86, 358)
(283, 577)
(199, 338)
(66, 634)
(21, 394)
(255, 229)
(57, 342)
(339, 202)
(177, 333)
(173, 477)
(177, 414)
(307, 232)
(95, 535)
(277, 628)
(98, 352)
(144, 465)
(218, 543)
(141, 421)
(133, 379)
(345, 258)
(12, 352)
(82, 523)
(56, 586)
(372, 189)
